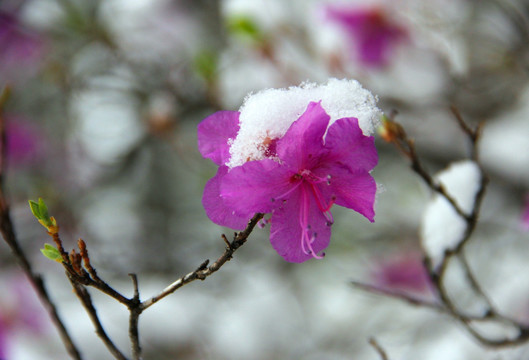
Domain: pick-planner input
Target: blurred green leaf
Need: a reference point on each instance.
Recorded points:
(206, 64)
(244, 26)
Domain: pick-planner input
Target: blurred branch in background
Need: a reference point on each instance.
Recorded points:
(438, 257)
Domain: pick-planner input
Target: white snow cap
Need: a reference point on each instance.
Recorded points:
(442, 227)
(269, 113)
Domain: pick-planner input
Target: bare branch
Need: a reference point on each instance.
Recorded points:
(398, 295)
(397, 135)
(374, 343)
(203, 271)
(86, 300)
(135, 311)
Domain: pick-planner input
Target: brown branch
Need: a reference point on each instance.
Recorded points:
(86, 300)
(135, 311)
(6, 228)
(398, 295)
(419, 169)
(374, 343)
(396, 134)
(89, 276)
(81, 273)
(203, 271)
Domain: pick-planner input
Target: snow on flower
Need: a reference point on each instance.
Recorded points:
(293, 153)
(442, 228)
(372, 32)
(339, 98)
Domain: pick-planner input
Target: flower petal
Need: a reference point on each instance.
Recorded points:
(287, 227)
(302, 144)
(354, 190)
(348, 145)
(214, 133)
(256, 186)
(216, 208)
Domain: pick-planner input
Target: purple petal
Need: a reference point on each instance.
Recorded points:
(302, 144)
(349, 146)
(286, 229)
(216, 208)
(353, 190)
(256, 186)
(214, 133)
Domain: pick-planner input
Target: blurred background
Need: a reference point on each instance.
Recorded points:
(105, 99)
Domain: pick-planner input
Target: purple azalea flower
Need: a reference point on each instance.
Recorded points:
(305, 172)
(373, 34)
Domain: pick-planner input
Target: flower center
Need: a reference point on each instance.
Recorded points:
(310, 185)
(313, 182)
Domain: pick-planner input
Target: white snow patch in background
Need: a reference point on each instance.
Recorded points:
(442, 228)
(270, 113)
(504, 146)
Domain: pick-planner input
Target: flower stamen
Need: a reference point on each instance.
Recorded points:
(324, 208)
(306, 238)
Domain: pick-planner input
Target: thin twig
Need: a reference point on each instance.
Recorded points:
(397, 135)
(374, 343)
(398, 295)
(410, 300)
(88, 277)
(417, 166)
(86, 300)
(203, 271)
(406, 145)
(135, 311)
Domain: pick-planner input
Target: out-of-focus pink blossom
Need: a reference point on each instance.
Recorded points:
(20, 47)
(20, 313)
(402, 273)
(25, 145)
(374, 35)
